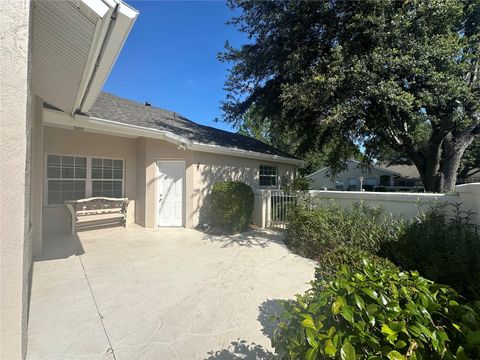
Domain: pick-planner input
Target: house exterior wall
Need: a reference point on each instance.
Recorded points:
(16, 114)
(77, 142)
(209, 168)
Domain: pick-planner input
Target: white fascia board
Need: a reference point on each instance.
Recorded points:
(243, 153)
(104, 13)
(120, 24)
(61, 119)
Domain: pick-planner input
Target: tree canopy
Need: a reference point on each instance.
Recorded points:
(380, 74)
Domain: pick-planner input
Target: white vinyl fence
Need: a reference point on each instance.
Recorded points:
(273, 206)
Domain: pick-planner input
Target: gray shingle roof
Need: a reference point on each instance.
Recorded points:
(114, 108)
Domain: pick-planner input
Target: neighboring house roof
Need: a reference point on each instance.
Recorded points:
(114, 108)
(405, 171)
(358, 163)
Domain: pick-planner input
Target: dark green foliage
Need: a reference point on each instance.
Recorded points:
(330, 260)
(232, 205)
(402, 75)
(375, 314)
(298, 184)
(442, 247)
(316, 228)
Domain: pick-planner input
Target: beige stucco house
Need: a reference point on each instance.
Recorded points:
(62, 139)
(355, 178)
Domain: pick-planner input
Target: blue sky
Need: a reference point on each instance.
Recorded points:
(170, 58)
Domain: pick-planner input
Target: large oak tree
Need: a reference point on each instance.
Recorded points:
(372, 73)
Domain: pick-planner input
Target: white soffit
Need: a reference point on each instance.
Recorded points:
(71, 47)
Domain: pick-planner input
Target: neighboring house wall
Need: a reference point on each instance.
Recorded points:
(212, 168)
(77, 142)
(321, 179)
(16, 114)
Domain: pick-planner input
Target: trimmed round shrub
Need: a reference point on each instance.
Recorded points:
(372, 313)
(232, 205)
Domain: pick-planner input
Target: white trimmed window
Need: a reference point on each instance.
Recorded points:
(107, 177)
(78, 177)
(66, 178)
(268, 175)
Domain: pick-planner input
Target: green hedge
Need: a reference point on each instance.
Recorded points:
(442, 247)
(373, 314)
(315, 228)
(232, 205)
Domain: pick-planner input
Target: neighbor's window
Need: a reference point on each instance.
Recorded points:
(338, 185)
(66, 178)
(78, 177)
(268, 175)
(352, 184)
(107, 177)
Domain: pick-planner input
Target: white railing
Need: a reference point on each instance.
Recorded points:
(281, 203)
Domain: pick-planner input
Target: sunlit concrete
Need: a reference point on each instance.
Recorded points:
(140, 293)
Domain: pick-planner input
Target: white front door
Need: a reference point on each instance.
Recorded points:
(170, 182)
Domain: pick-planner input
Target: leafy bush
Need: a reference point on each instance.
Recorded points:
(329, 261)
(443, 248)
(377, 314)
(315, 228)
(298, 184)
(232, 205)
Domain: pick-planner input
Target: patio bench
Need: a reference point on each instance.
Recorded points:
(97, 211)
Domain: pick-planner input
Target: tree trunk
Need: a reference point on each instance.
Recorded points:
(453, 151)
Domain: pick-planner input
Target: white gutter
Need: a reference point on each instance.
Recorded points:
(115, 22)
(59, 118)
(216, 149)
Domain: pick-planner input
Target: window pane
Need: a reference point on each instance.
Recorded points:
(96, 173)
(117, 194)
(79, 195)
(54, 185)
(118, 174)
(97, 186)
(117, 186)
(97, 163)
(107, 163)
(80, 162)
(107, 173)
(80, 173)
(53, 172)
(53, 160)
(67, 186)
(118, 164)
(107, 186)
(67, 161)
(67, 196)
(67, 172)
(54, 198)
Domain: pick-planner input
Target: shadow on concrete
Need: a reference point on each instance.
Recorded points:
(240, 349)
(60, 246)
(267, 313)
(261, 238)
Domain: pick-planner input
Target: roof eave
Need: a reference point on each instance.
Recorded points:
(60, 118)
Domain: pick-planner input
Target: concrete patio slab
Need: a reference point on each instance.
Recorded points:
(140, 293)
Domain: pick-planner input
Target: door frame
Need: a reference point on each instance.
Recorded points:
(157, 192)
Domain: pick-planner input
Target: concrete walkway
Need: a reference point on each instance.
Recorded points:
(138, 294)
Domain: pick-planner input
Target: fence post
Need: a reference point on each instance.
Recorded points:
(268, 207)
